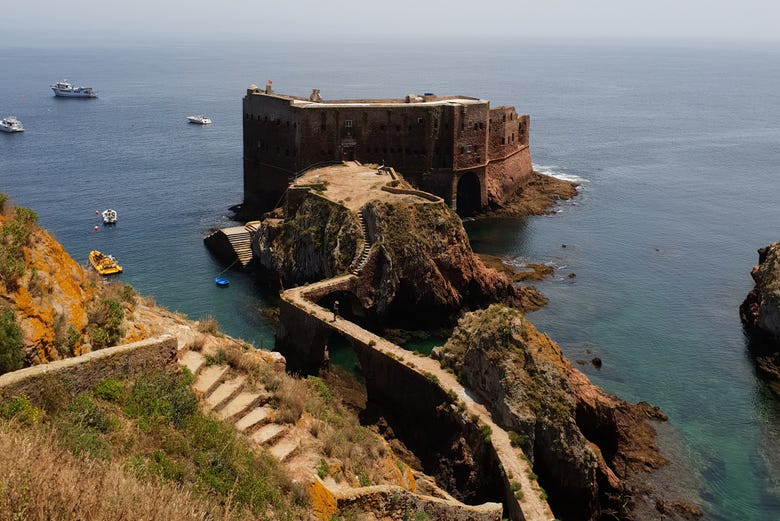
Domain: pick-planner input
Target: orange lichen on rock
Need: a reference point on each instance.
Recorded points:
(52, 294)
(323, 502)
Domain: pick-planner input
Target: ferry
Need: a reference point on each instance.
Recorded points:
(199, 120)
(11, 124)
(104, 264)
(66, 90)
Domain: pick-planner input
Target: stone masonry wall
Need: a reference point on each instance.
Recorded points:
(84, 372)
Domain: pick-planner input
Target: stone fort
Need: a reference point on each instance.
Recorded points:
(457, 147)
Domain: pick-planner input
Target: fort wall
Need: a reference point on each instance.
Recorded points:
(431, 140)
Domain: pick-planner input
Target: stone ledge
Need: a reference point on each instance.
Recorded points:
(83, 372)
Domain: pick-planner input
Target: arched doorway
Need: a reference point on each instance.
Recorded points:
(469, 199)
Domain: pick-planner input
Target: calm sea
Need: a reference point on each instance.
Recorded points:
(677, 148)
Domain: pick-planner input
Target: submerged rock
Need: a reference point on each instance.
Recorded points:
(587, 446)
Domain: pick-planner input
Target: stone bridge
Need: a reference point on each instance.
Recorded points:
(437, 411)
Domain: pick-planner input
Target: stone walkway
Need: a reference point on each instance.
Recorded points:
(533, 507)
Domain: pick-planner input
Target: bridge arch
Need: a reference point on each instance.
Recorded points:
(469, 194)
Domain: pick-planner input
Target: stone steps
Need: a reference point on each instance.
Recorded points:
(227, 400)
(254, 419)
(192, 360)
(269, 433)
(223, 393)
(284, 448)
(208, 379)
(239, 405)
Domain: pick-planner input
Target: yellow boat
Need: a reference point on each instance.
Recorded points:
(104, 264)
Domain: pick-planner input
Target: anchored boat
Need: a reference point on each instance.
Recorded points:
(109, 216)
(66, 90)
(199, 120)
(104, 264)
(11, 124)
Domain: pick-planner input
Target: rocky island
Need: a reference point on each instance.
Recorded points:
(760, 314)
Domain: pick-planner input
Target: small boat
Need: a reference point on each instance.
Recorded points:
(221, 282)
(11, 124)
(109, 216)
(199, 120)
(104, 264)
(66, 90)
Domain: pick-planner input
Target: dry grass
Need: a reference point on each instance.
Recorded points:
(41, 481)
(208, 325)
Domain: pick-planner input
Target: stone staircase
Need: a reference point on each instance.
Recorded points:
(362, 257)
(225, 396)
(242, 245)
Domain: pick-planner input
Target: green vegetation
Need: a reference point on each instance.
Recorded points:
(517, 440)
(152, 428)
(323, 469)
(486, 432)
(217, 358)
(14, 236)
(21, 411)
(105, 319)
(11, 354)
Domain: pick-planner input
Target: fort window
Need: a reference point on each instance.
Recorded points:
(348, 123)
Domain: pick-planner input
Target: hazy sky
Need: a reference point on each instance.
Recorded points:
(263, 19)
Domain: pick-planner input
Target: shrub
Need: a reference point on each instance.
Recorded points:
(486, 433)
(323, 469)
(321, 389)
(517, 440)
(109, 390)
(208, 325)
(217, 358)
(106, 319)
(11, 354)
(161, 397)
(20, 409)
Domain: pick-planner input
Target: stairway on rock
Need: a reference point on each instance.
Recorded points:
(225, 395)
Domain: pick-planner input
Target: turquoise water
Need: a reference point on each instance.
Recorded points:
(676, 145)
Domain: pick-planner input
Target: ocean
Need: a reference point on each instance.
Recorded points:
(676, 147)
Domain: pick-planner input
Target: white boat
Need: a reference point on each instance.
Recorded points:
(199, 120)
(11, 124)
(66, 90)
(109, 216)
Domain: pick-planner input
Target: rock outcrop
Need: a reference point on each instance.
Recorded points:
(760, 314)
(420, 258)
(49, 295)
(586, 445)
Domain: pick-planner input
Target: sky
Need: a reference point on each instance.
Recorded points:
(717, 20)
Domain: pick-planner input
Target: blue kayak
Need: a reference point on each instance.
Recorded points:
(222, 282)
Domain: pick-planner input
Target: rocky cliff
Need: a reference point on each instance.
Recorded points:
(62, 309)
(48, 291)
(586, 445)
(420, 259)
(760, 314)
